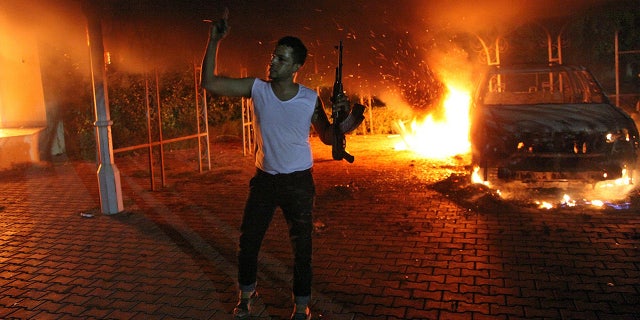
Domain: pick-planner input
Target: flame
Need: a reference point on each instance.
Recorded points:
(612, 190)
(449, 137)
(476, 178)
(441, 139)
(567, 201)
(544, 205)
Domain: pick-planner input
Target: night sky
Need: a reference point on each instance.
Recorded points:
(403, 43)
(404, 39)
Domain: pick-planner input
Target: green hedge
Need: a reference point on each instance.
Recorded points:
(128, 95)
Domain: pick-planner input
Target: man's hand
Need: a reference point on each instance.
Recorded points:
(219, 29)
(349, 117)
(341, 102)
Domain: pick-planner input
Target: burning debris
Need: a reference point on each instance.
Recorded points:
(458, 187)
(462, 189)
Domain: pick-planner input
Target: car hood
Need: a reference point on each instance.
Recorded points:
(543, 119)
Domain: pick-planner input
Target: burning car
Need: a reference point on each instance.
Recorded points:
(544, 124)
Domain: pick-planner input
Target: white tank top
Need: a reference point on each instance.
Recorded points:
(282, 129)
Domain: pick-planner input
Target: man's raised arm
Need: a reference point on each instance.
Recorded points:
(210, 79)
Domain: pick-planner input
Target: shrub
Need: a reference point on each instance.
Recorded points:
(130, 93)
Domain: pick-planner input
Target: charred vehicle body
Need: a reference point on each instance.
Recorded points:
(546, 124)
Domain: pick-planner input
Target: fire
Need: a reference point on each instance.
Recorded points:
(544, 205)
(567, 201)
(612, 190)
(449, 137)
(476, 178)
(440, 139)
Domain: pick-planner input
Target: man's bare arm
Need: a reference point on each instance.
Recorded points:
(324, 127)
(210, 79)
(321, 123)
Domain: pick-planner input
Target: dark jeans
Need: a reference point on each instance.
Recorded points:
(294, 193)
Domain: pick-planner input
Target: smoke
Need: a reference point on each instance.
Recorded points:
(406, 46)
(58, 30)
(457, 38)
(57, 24)
(484, 15)
(34, 37)
(145, 35)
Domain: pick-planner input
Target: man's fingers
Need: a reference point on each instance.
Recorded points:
(225, 16)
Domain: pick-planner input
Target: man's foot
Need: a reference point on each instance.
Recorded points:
(304, 314)
(243, 308)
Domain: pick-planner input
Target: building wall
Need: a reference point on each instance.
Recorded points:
(21, 93)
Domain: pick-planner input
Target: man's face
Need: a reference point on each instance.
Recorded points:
(282, 65)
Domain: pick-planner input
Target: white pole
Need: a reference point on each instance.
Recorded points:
(108, 173)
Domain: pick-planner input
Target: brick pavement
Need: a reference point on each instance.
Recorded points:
(386, 246)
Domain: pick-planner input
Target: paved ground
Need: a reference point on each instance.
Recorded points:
(387, 245)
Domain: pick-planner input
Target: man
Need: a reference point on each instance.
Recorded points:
(284, 112)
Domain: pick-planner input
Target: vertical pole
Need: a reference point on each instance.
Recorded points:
(108, 174)
(149, 137)
(158, 102)
(497, 62)
(201, 113)
(559, 41)
(617, 65)
(364, 127)
(196, 85)
(550, 58)
(247, 122)
(371, 115)
(205, 119)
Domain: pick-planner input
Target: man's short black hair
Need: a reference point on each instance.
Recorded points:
(299, 50)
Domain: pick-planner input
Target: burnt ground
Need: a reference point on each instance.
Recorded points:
(479, 197)
(396, 237)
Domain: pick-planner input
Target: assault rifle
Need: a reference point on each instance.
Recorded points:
(342, 122)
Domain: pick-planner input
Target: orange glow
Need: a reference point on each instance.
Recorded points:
(567, 201)
(476, 178)
(444, 138)
(20, 105)
(611, 190)
(544, 205)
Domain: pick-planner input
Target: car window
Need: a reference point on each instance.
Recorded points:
(537, 87)
(592, 91)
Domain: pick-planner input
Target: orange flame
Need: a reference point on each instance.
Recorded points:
(440, 139)
(612, 190)
(476, 178)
